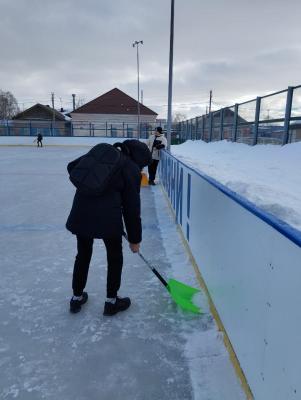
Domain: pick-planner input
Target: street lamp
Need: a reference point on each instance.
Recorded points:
(136, 44)
(169, 114)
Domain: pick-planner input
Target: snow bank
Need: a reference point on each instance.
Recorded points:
(267, 175)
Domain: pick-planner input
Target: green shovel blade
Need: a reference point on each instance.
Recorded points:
(182, 294)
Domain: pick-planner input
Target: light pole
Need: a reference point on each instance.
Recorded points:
(136, 44)
(169, 114)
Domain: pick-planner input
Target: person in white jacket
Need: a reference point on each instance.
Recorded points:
(155, 143)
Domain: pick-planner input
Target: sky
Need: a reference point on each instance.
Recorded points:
(238, 49)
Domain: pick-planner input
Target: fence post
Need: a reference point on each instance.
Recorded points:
(123, 129)
(256, 124)
(7, 128)
(210, 126)
(202, 128)
(221, 124)
(196, 128)
(106, 128)
(234, 134)
(187, 130)
(288, 110)
(30, 130)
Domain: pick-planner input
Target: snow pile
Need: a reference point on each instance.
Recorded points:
(267, 175)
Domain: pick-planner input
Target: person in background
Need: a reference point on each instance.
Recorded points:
(155, 143)
(99, 214)
(39, 140)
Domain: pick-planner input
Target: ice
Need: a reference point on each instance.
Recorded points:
(153, 351)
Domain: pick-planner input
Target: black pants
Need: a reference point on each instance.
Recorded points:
(82, 263)
(152, 170)
(40, 143)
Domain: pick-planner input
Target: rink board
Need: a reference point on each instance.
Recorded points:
(251, 264)
(57, 141)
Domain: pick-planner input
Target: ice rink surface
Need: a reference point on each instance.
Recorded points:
(153, 351)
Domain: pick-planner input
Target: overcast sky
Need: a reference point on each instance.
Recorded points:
(237, 48)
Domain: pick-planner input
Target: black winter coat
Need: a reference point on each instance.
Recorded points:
(100, 216)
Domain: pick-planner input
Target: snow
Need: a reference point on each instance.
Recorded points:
(152, 351)
(267, 175)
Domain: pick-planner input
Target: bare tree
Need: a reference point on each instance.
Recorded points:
(80, 102)
(178, 117)
(8, 105)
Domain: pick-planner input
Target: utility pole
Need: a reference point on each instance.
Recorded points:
(169, 113)
(53, 114)
(73, 101)
(210, 101)
(52, 101)
(136, 44)
(141, 96)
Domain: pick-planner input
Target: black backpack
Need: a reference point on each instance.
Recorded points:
(93, 172)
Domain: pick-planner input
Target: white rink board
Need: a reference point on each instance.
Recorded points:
(58, 141)
(251, 263)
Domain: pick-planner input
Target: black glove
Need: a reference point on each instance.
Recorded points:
(160, 146)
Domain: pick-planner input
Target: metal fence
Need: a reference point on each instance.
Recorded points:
(78, 129)
(274, 118)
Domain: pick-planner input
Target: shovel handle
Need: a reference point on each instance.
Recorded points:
(160, 277)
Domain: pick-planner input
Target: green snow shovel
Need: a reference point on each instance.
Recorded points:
(182, 294)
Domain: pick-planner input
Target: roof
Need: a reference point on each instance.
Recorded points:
(38, 112)
(114, 102)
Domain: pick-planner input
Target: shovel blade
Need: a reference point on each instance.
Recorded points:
(182, 294)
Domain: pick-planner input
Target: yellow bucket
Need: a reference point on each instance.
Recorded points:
(144, 179)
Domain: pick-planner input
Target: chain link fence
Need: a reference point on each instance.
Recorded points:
(78, 129)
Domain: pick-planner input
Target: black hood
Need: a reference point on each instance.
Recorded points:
(138, 152)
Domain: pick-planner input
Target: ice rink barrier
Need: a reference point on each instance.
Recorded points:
(251, 264)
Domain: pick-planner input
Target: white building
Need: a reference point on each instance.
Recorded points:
(112, 114)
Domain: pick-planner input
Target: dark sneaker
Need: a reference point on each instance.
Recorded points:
(76, 305)
(121, 304)
(151, 183)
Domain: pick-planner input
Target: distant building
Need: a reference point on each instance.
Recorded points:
(111, 114)
(40, 119)
(40, 112)
(295, 132)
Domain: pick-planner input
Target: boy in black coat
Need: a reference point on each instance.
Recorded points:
(101, 216)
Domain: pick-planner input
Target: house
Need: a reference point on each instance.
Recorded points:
(199, 127)
(112, 114)
(40, 119)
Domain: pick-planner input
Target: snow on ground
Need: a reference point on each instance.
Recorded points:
(153, 351)
(267, 175)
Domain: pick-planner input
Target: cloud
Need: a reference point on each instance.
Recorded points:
(238, 49)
